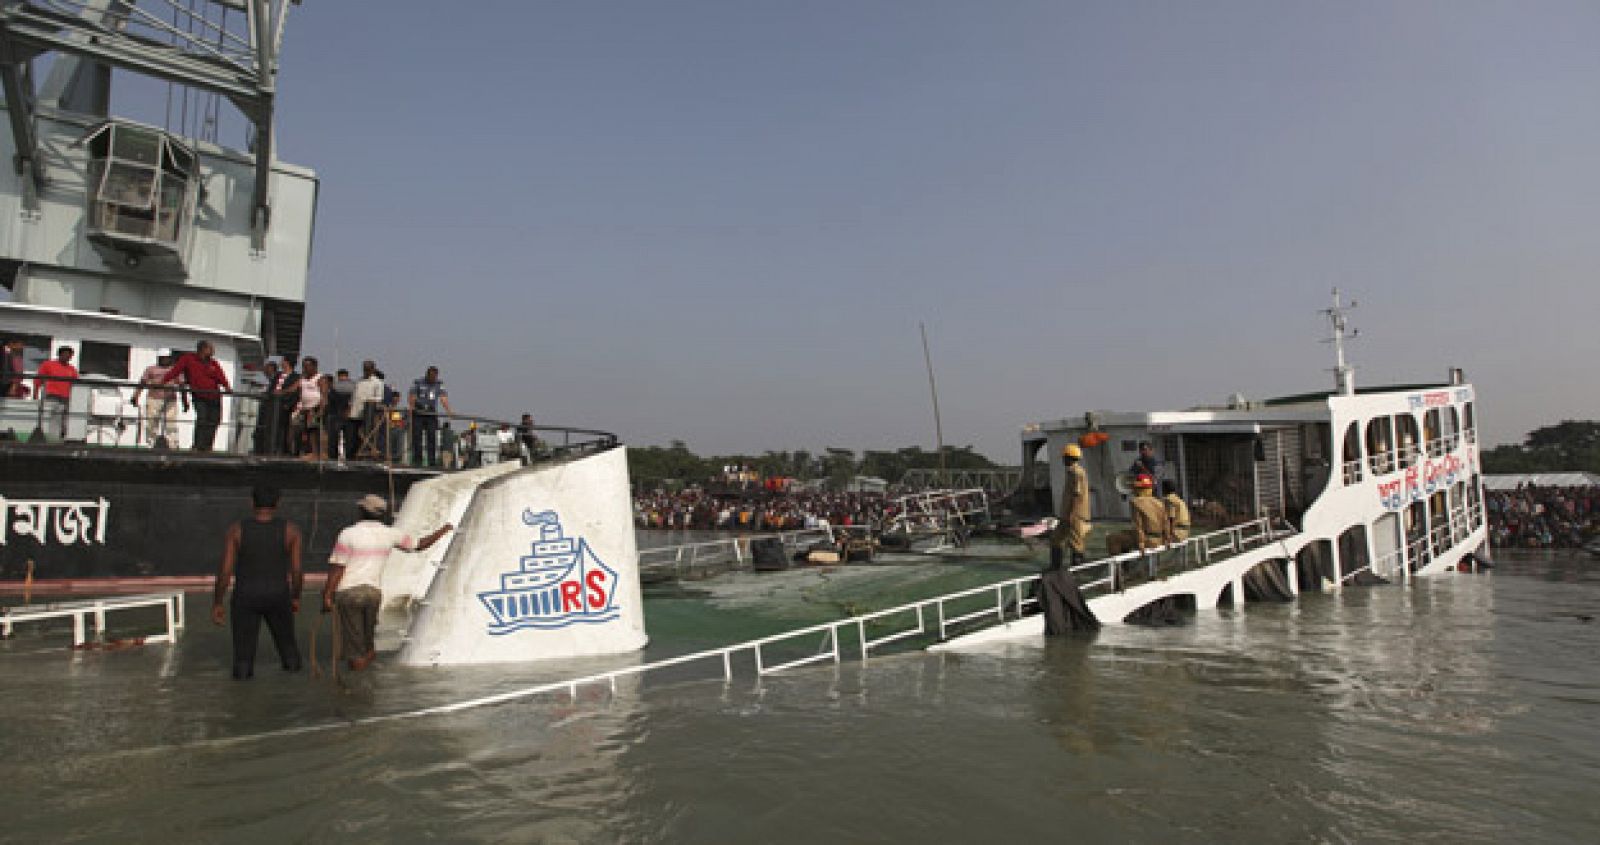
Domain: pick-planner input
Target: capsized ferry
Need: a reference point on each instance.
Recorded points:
(1308, 492)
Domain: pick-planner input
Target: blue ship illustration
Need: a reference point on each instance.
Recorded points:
(562, 582)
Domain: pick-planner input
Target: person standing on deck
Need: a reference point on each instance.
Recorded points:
(340, 394)
(54, 386)
(266, 411)
(1151, 528)
(1147, 463)
(160, 403)
(355, 570)
(427, 395)
(1177, 510)
(12, 365)
(288, 385)
(207, 382)
(1072, 526)
(261, 557)
(306, 423)
(365, 415)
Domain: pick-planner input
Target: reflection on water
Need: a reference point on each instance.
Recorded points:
(1463, 708)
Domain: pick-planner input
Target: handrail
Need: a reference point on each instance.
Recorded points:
(109, 422)
(1352, 471)
(736, 547)
(1009, 598)
(83, 611)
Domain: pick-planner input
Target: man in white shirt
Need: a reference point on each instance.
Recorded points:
(366, 404)
(355, 570)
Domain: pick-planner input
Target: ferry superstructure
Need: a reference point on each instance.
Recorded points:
(1386, 478)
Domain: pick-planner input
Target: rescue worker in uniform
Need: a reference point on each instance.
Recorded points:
(1073, 525)
(1151, 528)
(1177, 511)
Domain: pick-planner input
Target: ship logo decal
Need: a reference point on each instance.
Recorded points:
(561, 582)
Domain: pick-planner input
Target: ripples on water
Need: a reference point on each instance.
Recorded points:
(1463, 708)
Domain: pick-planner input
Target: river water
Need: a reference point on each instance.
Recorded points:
(1463, 708)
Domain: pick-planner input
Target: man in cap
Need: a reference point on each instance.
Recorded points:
(1151, 528)
(355, 571)
(1073, 520)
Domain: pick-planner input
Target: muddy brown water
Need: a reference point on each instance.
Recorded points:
(1463, 708)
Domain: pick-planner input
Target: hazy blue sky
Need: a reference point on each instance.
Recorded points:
(722, 221)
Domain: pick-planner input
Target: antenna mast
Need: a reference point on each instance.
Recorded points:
(1343, 374)
(938, 427)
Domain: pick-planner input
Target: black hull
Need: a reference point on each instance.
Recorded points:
(166, 512)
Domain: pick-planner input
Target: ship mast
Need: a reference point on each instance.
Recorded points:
(1343, 373)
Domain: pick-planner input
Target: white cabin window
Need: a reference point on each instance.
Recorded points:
(1380, 445)
(1410, 439)
(103, 359)
(1352, 454)
(1433, 433)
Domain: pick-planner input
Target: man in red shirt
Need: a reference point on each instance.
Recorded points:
(207, 382)
(55, 393)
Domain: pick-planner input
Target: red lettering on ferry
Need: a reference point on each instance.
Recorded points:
(597, 588)
(571, 596)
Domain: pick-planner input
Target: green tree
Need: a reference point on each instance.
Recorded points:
(1568, 446)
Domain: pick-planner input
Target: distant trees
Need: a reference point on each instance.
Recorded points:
(1568, 446)
(674, 465)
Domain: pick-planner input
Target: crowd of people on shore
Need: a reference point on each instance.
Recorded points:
(1532, 517)
(700, 510)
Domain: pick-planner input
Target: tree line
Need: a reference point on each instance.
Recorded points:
(674, 465)
(1568, 446)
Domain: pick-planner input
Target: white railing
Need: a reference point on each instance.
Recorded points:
(94, 611)
(1387, 566)
(1418, 553)
(727, 553)
(1352, 472)
(934, 616)
(1008, 595)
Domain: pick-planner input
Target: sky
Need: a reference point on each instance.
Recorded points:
(722, 222)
